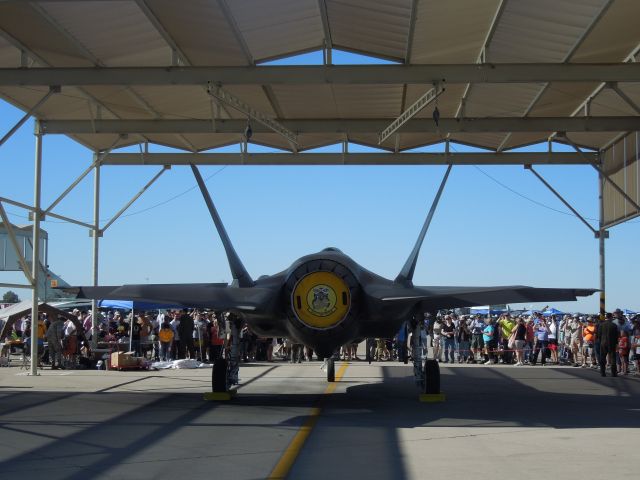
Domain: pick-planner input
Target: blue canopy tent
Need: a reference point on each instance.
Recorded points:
(552, 311)
(626, 311)
(135, 305)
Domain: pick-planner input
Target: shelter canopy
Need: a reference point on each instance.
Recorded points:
(159, 33)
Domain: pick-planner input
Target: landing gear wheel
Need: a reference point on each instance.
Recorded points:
(431, 377)
(220, 376)
(369, 347)
(331, 370)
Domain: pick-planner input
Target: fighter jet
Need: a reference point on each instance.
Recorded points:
(326, 299)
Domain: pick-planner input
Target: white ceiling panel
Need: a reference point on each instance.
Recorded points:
(380, 27)
(278, 27)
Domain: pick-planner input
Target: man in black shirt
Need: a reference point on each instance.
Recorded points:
(607, 335)
(185, 331)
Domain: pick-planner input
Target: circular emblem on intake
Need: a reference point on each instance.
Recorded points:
(321, 299)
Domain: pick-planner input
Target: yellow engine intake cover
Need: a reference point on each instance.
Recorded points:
(321, 299)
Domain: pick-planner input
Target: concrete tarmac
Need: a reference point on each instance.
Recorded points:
(497, 422)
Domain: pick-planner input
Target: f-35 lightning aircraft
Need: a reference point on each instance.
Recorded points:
(325, 300)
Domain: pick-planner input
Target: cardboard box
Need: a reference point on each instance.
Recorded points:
(123, 359)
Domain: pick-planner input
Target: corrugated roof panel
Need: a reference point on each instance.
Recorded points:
(309, 141)
(414, 140)
(186, 102)
(484, 140)
(615, 35)
(451, 31)
(70, 104)
(592, 139)
(9, 55)
(372, 101)
(279, 27)
(303, 101)
(102, 141)
(500, 100)
(200, 30)
(610, 103)
(207, 141)
(122, 101)
(519, 139)
(94, 25)
(26, 25)
(378, 27)
(613, 38)
(541, 31)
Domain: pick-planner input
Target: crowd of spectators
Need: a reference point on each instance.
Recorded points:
(580, 341)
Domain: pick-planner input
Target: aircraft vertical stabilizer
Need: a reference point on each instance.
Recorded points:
(405, 277)
(240, 274)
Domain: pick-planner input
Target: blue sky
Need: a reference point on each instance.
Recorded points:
(485, 231)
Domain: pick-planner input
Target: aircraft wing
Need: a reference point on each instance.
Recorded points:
(435, 298)
(218, 296)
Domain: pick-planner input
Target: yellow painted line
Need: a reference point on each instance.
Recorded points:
(289, 456)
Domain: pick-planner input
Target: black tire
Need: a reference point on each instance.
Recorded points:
(368, 346)
(431, 377)
(331, 370)
(220, 375)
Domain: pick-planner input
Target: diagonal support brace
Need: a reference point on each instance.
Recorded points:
(561, 198)
(98, 158)
(627, 99)
(14, 129)
(130, 202)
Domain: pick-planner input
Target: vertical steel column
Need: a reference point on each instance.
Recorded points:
(602, 234)
(96, 245)
(35, 265)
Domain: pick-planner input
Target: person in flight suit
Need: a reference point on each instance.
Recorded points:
(608, 334)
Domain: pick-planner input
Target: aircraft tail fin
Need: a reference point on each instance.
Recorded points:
(405, 277)
(238, 271)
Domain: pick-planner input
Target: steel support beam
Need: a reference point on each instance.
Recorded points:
(15, 285)
(323, 74)
(135, 197)
(95, 164)
(348, 126)
(561, 198)
(50, 214)
(35, 265)
(96, 249)
(601, 241)
(27, 115)
(488, 158)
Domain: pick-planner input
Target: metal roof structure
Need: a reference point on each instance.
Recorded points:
(501, 74)
(192, 35)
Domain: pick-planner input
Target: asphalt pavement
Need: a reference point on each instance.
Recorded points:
(497, 422)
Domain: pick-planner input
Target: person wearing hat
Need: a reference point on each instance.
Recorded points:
(608, 336)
